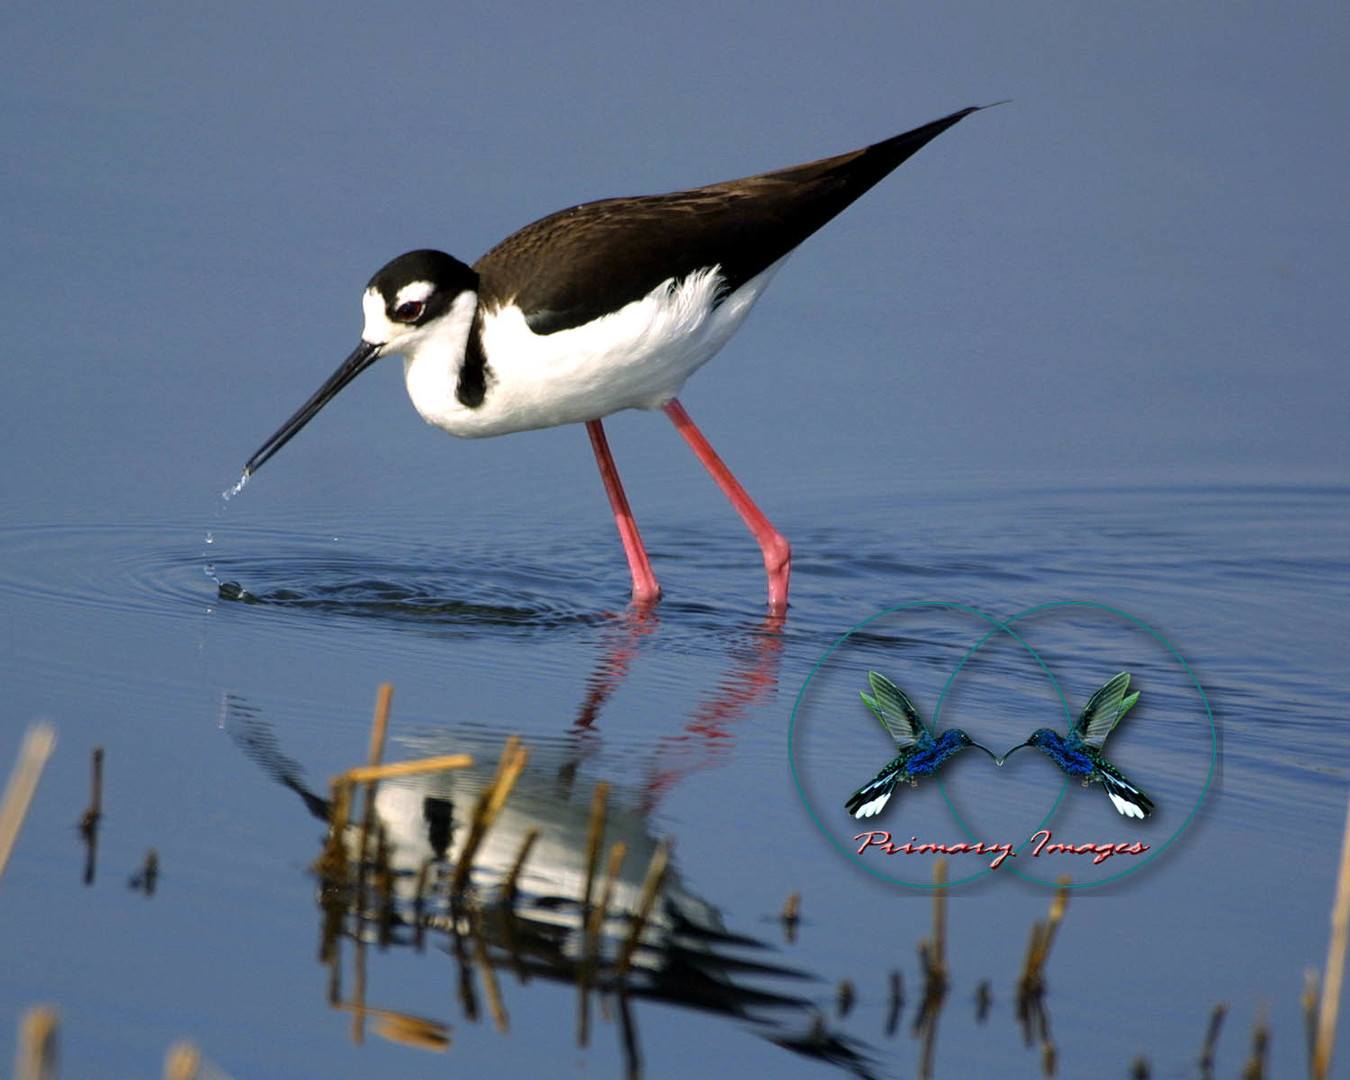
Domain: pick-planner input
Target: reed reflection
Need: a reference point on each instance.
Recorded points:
(565, 882)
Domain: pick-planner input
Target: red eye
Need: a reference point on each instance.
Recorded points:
(409, 311)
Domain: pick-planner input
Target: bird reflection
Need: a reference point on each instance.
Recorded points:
(683, 955)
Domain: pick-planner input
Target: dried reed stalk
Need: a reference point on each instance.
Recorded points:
(500, 1020)
(790, 915)
(844, 997)
(509, 767)
(617, 852)
(332, 863)
(365, 773)
(36, 1056)
(183, 1061)
(984, 997)
(1042, 937)
(1212, 1039)
(405, 1028)
(939, 950)
(512, 884)
(1335, 968)
(594, 833)
(1255, 1069)
(656, 875)
(379, 727)
(895, 1003)
(38, 743)
(89, 820)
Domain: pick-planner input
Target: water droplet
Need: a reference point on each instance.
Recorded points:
(230, 493)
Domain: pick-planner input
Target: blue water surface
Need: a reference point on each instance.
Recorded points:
(1087, 346)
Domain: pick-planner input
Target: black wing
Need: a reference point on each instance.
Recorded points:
(578, 264)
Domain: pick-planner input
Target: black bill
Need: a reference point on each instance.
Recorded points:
(1001, 758)
(361, 358)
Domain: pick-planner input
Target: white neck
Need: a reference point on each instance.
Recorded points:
(432, 361)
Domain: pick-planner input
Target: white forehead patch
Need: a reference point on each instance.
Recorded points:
(378, 329)
(416, 291)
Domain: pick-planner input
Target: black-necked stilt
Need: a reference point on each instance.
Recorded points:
(606, 306)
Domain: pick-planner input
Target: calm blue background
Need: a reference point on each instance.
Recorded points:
(1087, 344)
(1136, 267)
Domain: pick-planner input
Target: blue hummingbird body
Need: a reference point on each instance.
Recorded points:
(929, 753)
(1080, 752)
(1069, 754)
(921, 753)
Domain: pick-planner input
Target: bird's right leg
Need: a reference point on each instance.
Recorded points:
(777, 552)
(645, 588)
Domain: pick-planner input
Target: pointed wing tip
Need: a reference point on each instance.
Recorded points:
(961, 114)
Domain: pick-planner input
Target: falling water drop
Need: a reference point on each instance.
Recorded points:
(230, 493)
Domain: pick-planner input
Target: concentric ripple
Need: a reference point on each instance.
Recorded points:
(142, 568)
(179, 571)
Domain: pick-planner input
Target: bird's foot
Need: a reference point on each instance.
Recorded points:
(778, 565)
(646, 594)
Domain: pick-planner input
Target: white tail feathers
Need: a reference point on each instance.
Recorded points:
(1125, 797)
(870, 799)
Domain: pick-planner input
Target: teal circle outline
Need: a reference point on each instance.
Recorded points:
(1006, 627)
(947, 605)
(1204, 698)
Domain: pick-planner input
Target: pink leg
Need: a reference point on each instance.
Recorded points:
(645, 588)
(777, 552)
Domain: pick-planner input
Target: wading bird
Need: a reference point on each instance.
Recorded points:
(1080, 753)
(921, 753)
(605, 306)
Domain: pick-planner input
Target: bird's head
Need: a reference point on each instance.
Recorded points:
(410, 299)
(1039, 737)
(410, 302)
(963, 740)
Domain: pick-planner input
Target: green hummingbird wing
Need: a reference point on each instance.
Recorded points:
(895, 711)
(1104, 710)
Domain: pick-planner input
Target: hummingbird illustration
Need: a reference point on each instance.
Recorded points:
(921, 753)
(1080, 753)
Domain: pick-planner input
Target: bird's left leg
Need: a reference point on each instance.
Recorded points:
(645, 589)
(774, 545)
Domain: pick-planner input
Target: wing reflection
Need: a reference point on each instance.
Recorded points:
(542, 930)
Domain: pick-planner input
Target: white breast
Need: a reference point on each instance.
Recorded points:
(635, 358)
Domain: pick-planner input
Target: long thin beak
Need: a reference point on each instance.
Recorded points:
(977, 746)
(1011, 752)
(361, 358)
